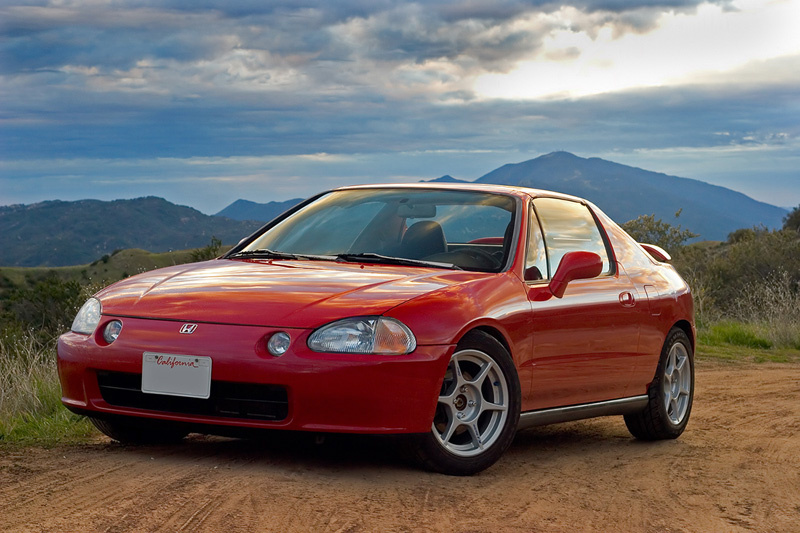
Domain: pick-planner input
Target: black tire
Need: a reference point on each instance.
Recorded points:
(130, 430)
(476, 418)
(670, 394)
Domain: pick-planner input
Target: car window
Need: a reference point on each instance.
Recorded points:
(568, 227)
(466, 223)
(536, 257)
(333, 228)
(470, 229)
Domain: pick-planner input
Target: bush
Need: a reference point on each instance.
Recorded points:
(47, 306)
(753, 279)
(647, 229)
(791, 221)
(208, 252)
(726, 270)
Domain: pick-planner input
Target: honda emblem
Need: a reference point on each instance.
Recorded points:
(188, 329)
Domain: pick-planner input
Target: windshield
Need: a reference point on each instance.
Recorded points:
(468, 229)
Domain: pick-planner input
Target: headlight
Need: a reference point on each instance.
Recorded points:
(88, 317)
(367, 335)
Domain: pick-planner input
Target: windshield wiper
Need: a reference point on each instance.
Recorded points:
(266, 253)
(369, 257)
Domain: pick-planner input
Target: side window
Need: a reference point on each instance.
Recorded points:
(569, 227)
(536, 257)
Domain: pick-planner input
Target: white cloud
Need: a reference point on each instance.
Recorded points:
(682, 48)
(267, 100)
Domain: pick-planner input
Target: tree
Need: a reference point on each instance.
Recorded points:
(792, 220)
(647, 229)
(208, 252)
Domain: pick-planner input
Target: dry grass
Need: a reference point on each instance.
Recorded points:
(30, 395)
(771, 308)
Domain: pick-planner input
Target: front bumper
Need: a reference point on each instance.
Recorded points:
(324, 392)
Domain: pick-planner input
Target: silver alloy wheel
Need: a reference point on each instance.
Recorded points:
(677, 384)
(473, 404)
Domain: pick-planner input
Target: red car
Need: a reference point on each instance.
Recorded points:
(456, 314)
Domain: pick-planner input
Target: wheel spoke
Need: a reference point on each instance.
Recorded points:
(485, 369)
(448, 399)
(452, 425)
(474, 432)
(667, 388)
(489, 406)
(678, 375)
(673, 409)
(457, 371)
(681, 363)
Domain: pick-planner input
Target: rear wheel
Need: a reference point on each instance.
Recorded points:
(670, 394)
(130, 430)
(477, 412)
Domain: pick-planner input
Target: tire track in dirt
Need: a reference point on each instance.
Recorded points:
(735, 469)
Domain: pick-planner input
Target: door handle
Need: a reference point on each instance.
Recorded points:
(627, 299)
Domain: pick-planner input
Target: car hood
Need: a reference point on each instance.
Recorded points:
(289, 294)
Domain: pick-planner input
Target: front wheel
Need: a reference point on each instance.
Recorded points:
(477, 411)
(670, 394)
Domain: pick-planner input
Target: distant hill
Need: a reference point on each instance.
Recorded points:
(247, 210)
(447, 178)
(57, 233)
(625, 192)
(621, 191)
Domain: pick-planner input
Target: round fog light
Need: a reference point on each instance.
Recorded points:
(112, 330)
(278, 343)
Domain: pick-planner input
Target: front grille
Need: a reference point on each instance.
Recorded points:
(228, 399)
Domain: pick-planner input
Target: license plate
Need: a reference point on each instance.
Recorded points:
(176, 375)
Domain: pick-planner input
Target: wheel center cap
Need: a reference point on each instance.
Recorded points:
(460, 402)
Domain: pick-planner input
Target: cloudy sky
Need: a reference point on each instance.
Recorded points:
(206, 101)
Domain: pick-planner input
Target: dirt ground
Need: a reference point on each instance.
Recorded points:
(736, 468)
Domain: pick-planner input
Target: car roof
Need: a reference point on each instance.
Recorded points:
(483, 187)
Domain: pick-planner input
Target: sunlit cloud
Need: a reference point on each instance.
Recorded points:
(277, 100)
(682, 47)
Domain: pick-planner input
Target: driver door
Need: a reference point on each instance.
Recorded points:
(585, 343)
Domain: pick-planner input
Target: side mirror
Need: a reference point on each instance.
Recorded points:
(575, 265)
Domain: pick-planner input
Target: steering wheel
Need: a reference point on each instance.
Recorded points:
(483, 258)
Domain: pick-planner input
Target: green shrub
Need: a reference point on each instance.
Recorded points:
(791, 221)
(209, 252)
(46, 307)
(647, 229)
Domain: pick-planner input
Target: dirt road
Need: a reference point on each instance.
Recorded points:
(736, 468)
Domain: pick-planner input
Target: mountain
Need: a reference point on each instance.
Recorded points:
(625, 192)
(621, 191)
(57, 233)
(247, 210)
(447, 178)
